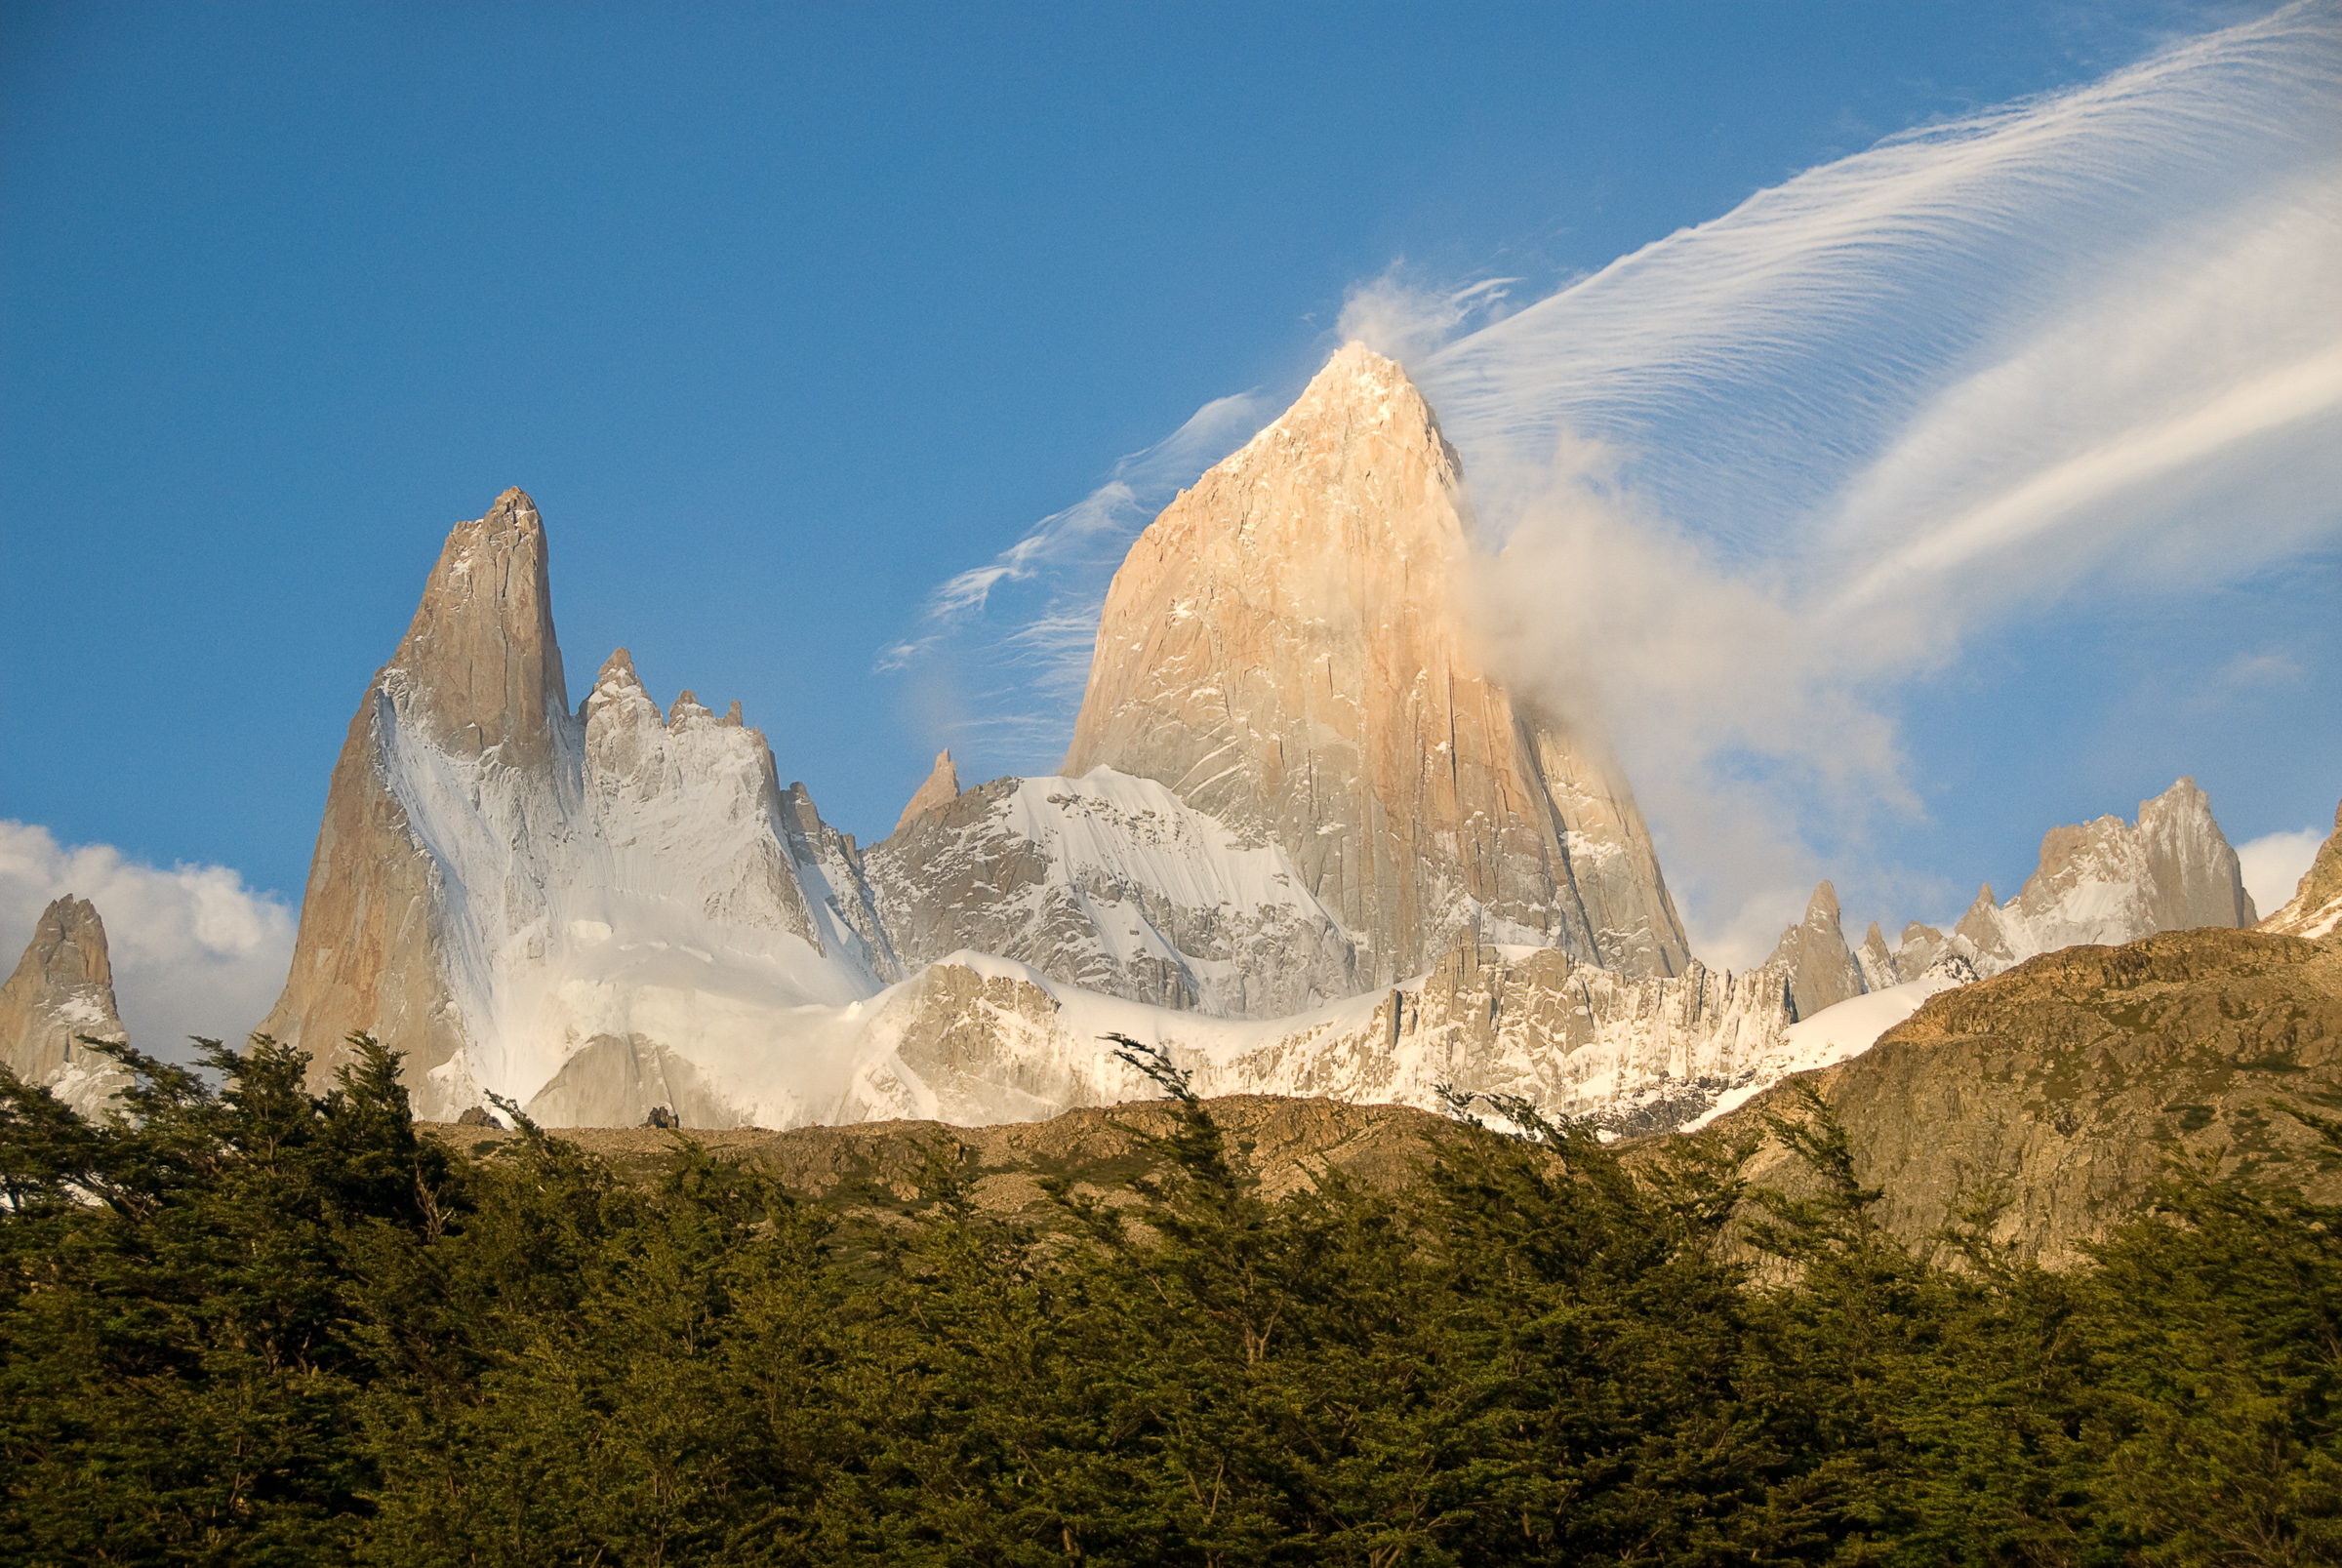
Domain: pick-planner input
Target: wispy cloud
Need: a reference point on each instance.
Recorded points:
(194, 950)
(1817, 447)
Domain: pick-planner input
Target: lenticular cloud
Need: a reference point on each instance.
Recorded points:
(1890, 372)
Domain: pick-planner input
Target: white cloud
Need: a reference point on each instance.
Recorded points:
(2274, 863)
(1401, 318)
(194, 950)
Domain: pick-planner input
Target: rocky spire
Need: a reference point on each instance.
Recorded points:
(64, 988)
(1283, 648)
(1813, 953)
(478, 677)
(941, 786)
(480, 661)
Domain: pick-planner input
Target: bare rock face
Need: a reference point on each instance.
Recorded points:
(1877, 961)
(1283, 650)
(620, 1082)
(1918, 947)
(1117, 885)
(942, 784)
(64, 988)
(2315, 909)
(1813, 955)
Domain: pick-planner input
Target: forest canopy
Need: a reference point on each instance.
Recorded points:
(248, 1324)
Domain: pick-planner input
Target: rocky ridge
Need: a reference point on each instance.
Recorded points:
(2103, 882)
(2055, 1091)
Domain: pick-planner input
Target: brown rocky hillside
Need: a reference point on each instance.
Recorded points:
(2065, 1084)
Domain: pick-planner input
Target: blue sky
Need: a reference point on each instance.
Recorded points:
(787, 314)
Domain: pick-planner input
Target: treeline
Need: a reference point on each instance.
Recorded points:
(255, 1326)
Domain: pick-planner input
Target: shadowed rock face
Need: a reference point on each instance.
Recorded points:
(1283, 649)
(477, 675)
(64, 988)
(2315, 908)
(2066, 1083)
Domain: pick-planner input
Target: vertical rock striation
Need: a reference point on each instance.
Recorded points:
(1283, 650)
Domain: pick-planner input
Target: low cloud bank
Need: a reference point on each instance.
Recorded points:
(194, 950)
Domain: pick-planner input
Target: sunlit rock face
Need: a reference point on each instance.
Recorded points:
(1814, 954)
(63, 989)
(476, 680)
(1283, 649)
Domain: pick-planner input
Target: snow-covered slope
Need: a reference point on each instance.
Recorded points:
(1115, 884)
(976, 1038)
(514, 894)
(642, 891)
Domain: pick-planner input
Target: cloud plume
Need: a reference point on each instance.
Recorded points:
(194, 950)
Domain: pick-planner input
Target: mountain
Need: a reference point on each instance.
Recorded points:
(2315, 908)
(508, 891)
(1812, 954)
(1285, 650)
(64, 988)
(941, 788)
(1305, 840)
(2107, 881)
